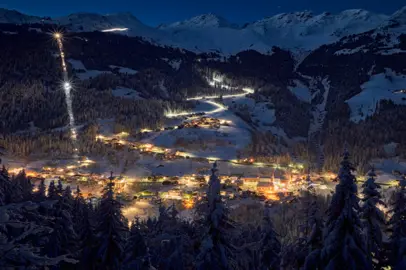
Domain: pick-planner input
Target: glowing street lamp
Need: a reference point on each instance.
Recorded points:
(57, 35)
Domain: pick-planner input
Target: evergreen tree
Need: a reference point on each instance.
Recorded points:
(373, 218)
(270, 247)
(6, 187)
(344, 246)
(397, 224)
(63, 238)
(312, 227)
(16, 191)
(18, 248)
(84, 228)
(111, 230)
(52, 194)
(59, 188)
(25, 184)
(40, 195)
(135, 249)
(215, 250)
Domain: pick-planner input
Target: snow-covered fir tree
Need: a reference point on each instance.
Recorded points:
(59, 188)
(270, 247)
(373, 218)
(52, 193)
(6, 187)
(111, 230)
(135, 249)
(17, 191)
(83, 224)
(23, 232)
(344, 246)
(63, 239)
(25, 184)
(215, 250)
(40, 194)
(397, 224)
(310, 240)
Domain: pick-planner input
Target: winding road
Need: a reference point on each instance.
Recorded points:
(215, 82)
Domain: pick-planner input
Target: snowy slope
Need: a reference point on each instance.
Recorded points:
(382, 86)
(15, 17)
(307, 31)
(299, 30)
(88, 22)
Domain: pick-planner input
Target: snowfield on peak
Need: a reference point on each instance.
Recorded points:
(212, 33)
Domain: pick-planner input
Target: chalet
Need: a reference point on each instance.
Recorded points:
(264, 185)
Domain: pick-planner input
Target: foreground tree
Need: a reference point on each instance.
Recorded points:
(397, 224)
(84, 227)
(40, 194)
(111, 230)
(135, 249)
(343, 242)
(215, 250)
(270, 247)
(373, 218)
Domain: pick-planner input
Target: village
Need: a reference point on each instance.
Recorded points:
(281, 185)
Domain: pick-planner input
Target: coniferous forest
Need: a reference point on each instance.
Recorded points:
(56, 228)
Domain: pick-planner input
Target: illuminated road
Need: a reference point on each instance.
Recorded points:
(215, 82)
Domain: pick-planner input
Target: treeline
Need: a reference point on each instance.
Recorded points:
(368, 137)
(55, 227)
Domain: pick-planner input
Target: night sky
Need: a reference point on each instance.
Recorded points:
(154, 12)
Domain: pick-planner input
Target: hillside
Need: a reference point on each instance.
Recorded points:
(326, 88)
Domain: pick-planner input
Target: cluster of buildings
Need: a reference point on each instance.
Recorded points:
(205, 122)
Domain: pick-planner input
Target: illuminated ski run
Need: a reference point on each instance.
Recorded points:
(115, 30)
(67, 88)
(216, 81)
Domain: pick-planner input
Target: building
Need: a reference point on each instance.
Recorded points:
(264, 185)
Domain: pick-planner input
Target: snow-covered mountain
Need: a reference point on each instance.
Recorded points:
(15, 17)
(307, 31)
(209, 32)
(202, 21)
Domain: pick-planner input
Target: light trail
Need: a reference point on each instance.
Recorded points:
(216, 81)
(115, 30)
(67, 88)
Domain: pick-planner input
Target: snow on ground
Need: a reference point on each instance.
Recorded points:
(261, 113)
(389, 165)
(126, 93)
(124, 70)
(150, 166)
(390, 148)
(350, 51)
(379, 87)
(222, 143)
(77, 64)
(175, 64)
(82, 72)
(301, 91)
(391, 51)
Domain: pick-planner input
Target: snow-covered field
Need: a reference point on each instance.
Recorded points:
(82, 72)
(382, 86)
(126, 93)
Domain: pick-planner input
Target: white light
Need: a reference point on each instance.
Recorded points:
(57, 35)
(115, 30)
(67, 86)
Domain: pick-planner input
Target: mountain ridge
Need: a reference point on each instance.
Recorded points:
(212, 33)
